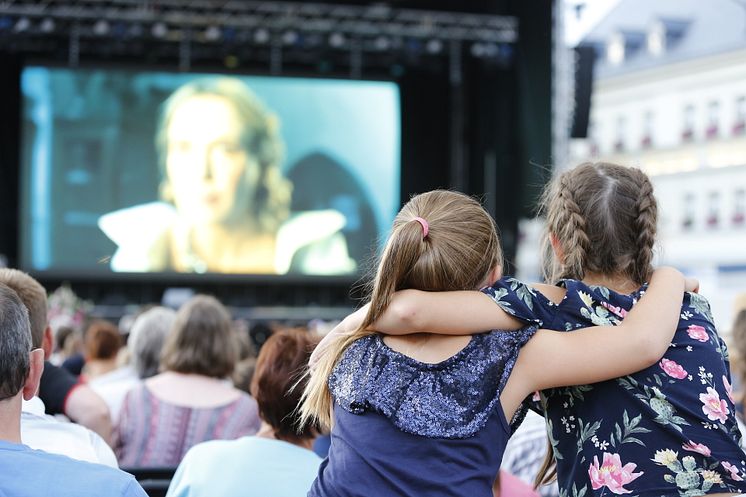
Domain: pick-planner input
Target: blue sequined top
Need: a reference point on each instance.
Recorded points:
(668, 430)
(407, 428)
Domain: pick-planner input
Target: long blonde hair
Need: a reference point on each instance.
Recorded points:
(460, 249)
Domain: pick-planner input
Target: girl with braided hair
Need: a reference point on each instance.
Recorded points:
(429, 415)
(668, 430)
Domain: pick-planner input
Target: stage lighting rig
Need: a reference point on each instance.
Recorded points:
(251, 31)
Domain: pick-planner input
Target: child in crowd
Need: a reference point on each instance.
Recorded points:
(430, 414)
(667, 430)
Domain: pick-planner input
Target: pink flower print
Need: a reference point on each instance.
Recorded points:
(673, 369)
(612, 474)
(733, 470)
(698, 448)
(728, 389)
(617, 311)
(697, 332)
(713, 405)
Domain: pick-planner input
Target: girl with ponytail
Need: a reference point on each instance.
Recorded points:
(668, 430)
(427, 414)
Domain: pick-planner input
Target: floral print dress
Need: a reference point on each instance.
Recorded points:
(668, 430)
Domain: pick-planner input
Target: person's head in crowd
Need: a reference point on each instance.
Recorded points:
(601, 220)
(34, 297)
(278, 384)
(147, 336)
(246, 347)
(102, 340)
(21, 363)
(244, 374)
(440, 241)
(202, 341)
(101, 344)
(220, 153)
(61, 337)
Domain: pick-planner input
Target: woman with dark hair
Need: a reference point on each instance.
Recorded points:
(225, 203)
(278, 461)
(192, 400)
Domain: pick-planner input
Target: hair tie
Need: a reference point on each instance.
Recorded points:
(425, 226)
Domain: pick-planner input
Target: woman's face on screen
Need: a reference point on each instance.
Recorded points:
(211, 176)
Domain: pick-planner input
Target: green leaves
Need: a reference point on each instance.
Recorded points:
(623, 433)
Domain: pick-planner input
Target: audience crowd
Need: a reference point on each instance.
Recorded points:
(182, 400)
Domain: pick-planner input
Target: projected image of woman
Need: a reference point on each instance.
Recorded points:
(225, 205)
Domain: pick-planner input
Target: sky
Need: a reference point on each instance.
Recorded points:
(582, 15)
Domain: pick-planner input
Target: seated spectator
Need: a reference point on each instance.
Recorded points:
(101, 345)
(67, 343)
(524, 455)
(27, 472)
(246, 364)
(278, 461)
(191, 401)
(40, 431)
(147, 336)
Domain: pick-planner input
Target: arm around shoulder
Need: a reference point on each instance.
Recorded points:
(445, 313)
(604, 352)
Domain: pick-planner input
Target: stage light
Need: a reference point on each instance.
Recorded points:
(290, 37)
(337, 40)
(22, 25)
(434, 46)
(101, 27)
(261, 36)
(119, 30)
(477, 50)
(491, 50)
(382, 43)
(229, 34)
(47, 25)
(212, 33)
(159, 30)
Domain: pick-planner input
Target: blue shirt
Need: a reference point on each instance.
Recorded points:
(407, 428)
(33, 473)
(248, 466)
(668, 430)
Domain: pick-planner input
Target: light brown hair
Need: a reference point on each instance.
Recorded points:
(276, 387)
(260, 138)
(458, 253)
(604, 217)
(102, 340)
(33, 296)
(201, 341)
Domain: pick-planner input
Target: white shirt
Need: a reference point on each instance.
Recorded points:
(113, 388)
(46, 433)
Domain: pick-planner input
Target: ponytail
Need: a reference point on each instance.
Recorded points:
(440, 241)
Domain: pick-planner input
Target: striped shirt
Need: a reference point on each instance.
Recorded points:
(155, 433)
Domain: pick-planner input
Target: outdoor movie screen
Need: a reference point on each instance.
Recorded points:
(159, 172)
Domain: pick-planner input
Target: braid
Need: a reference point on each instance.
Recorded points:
(571, 231)
(645, 227)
